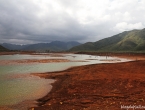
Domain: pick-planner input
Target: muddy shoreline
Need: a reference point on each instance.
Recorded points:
(31, 61)
(97, 86)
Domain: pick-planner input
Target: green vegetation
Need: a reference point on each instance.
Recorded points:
(2, 49)
(128, 41)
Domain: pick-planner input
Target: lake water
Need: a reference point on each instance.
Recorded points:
(17, 85)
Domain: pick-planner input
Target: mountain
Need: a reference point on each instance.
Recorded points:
(2, 49)
(126, 41)
(14, 46)
(52, 46)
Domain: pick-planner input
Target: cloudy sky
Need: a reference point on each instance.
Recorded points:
(33, 21)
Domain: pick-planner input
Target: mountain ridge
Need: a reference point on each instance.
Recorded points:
(133, 40)
(52, 46)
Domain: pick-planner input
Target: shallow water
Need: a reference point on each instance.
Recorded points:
(17, 85)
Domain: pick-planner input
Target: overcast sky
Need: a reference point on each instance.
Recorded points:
(33, 21)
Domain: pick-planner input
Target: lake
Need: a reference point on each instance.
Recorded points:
(18, 86)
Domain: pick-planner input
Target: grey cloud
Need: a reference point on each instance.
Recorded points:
(33, 21)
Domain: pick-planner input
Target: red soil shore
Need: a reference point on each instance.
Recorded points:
(28, 61)
(96, 87)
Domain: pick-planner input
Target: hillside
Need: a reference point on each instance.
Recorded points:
(2, 49)
(126, 41)
(52, 46)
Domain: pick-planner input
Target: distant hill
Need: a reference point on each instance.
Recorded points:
(53, 46)
(2, 49)
(126, 41)
(14, 46)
